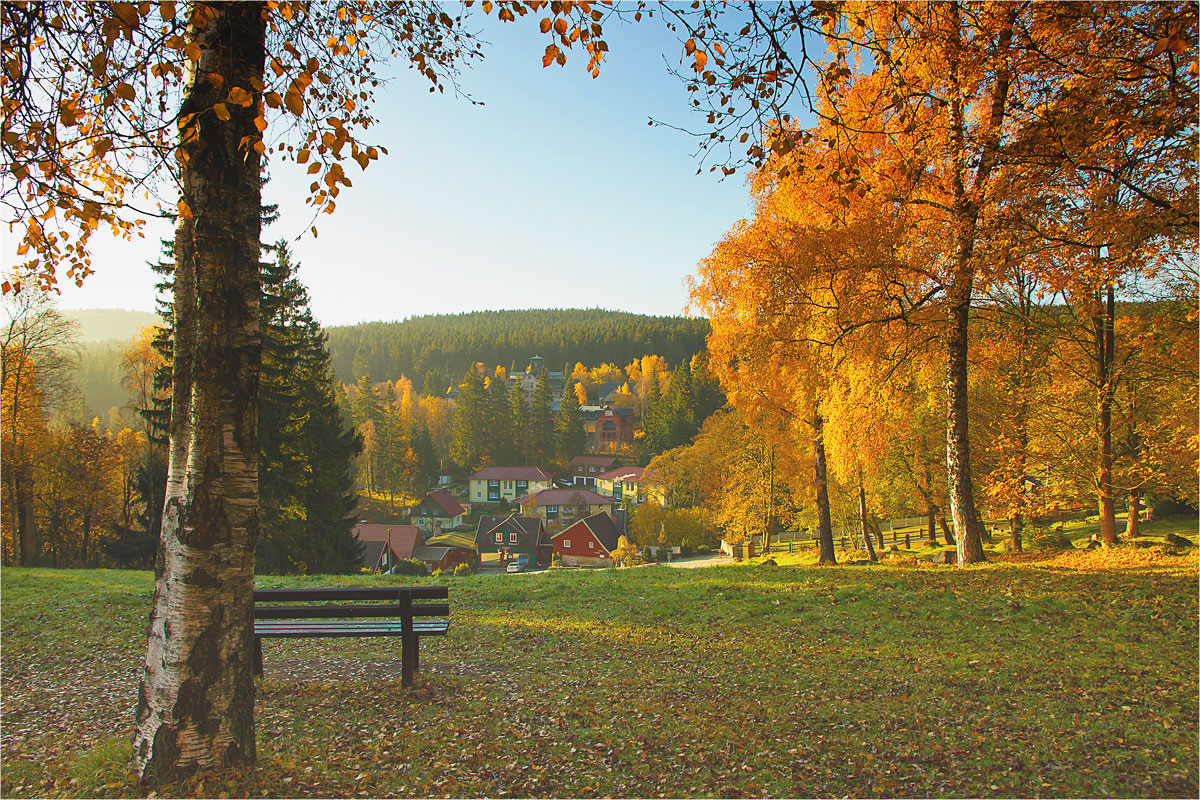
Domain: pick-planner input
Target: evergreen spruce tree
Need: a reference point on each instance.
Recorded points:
(367, 413)
(501, 442)
(568, 427)
(305, 474)
(518, 426)
(306, 451)
(467, 429)
(541, 431)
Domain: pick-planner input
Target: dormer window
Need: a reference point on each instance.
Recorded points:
(499, 537)
(512, 538)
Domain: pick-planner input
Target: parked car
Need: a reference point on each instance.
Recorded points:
(515, 566)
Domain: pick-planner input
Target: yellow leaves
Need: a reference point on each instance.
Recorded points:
(701, 60)
(184, 209)
(192, 51)
(221, 111)
(260, 123)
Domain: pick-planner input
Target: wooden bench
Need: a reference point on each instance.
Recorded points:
(404, 611)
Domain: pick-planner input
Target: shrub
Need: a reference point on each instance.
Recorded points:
(437, 573)
(703, 550)
(462, 569)
(1049, 539)
(410, 566)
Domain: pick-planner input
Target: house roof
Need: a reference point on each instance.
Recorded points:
(432, 555)
(593, 461)
(510, 474)
(567, 497)
(446, 502)
(373, 554)
(623, 474)
(530, 530)
(454, 539)
(602, 527)
(403, 537)
(608, 388)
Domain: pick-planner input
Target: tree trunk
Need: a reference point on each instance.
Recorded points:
(26, 546)
(824, 523)
(862, 519)
(958, 448)
(1103, 325)
(932, 530)
(1016, 527)
(965, 221)
(196, 700)
(1133, 525)
(946, 530)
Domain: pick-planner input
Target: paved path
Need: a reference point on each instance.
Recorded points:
(700, 561)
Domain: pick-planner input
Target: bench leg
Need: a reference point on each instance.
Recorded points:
(408, 659)
(257, 657)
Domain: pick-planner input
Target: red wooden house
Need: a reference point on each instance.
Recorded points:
(590, 542)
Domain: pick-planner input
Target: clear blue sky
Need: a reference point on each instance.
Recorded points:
(555, 193)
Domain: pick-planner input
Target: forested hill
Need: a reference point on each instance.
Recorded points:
(446, 344)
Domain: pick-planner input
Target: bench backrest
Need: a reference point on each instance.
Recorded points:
(403, 602)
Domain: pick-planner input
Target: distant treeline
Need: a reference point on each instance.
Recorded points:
(439, 348)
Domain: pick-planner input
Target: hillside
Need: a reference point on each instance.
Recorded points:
(109, 324)
(442, 346)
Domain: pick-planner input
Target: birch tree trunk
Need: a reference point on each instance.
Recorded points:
(196, 700)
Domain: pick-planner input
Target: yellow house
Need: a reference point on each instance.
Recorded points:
(493, 484)
(629, 483)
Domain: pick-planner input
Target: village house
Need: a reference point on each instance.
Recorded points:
(527, 382)
(558, 506)
(607, 429)
(630, 484)
(590, 542)
(437, 509)
(385, 546)
(515, 538)
(584, 469)
(493, 484)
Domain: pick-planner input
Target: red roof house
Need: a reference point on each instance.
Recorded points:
(589, 542)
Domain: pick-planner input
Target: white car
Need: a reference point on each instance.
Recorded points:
(515, 566)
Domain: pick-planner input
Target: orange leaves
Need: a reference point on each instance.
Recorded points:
(184, 209)
(240, 96)
(294, 101)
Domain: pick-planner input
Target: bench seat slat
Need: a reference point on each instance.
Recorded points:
(343, 612)
(331, 628)
(360, 593)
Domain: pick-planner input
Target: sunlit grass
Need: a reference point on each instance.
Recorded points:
(1060, 674)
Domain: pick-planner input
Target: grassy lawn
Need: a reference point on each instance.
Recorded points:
(1053, 674)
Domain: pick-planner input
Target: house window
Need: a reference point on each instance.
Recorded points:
(591, 545)
(522, 487)
(566, 544)
(493, 490)
(591, 469)
(618, 489)
(499, 537)
(512, 538)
